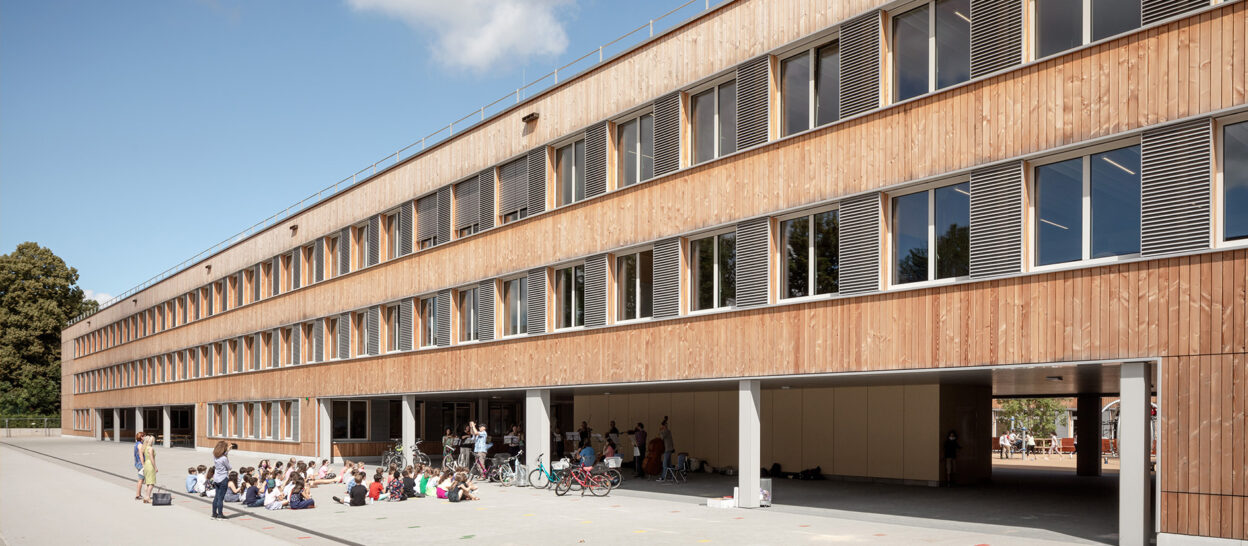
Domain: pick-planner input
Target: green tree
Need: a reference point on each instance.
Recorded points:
(1037, 415)
(38, 296)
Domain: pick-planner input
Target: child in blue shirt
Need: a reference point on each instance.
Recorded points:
(191, 479)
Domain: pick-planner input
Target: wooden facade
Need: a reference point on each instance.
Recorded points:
(1190, 312)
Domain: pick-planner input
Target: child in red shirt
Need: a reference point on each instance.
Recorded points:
(374, 489)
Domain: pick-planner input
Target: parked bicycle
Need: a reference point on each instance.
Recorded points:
(394, 455)
(597, 484)
(612, 471)
(508, 468)
(542, 477)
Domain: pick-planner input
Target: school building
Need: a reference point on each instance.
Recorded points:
(822, 233)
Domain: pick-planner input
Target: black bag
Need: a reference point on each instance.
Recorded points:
(162, 498)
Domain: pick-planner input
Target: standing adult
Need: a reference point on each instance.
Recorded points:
(149, 466)
(465, 444)
(639, 450)
(1004, 440)
(669, 445)
(1031, 445)
(479, 445)
(951, 456)
(221, 474)
(138, 464)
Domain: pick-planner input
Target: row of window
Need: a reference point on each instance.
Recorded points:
(268, 420)
(82, 419)
(929, 49)
(1084, 206)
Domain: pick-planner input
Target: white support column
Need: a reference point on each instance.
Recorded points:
(409, 428)
(138, 419)
(1134, 487)
(166, 426)
(324, 439)
(116, 425)
(98, 425)
(750, 441)
(536, 427)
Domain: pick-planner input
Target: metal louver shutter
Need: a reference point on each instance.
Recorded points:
(427, 217)
(318, 260)
(596, 291)
(296, 268)
(257, 345)
(444, 318)
(344, 251)
(405, 228)
(467, 203)
(1175, 166)
(208, 300)
(596, 159)
(752, 281)
(444, 214)
(997, 220)
(210, 415)
(667, 278)
(295, 423)
(374, 330)
(485, 189)
(240, 417)
(752, 102)
(296, 332)
(318, 341)
(536, 301)
(514, 184)
(240, 347)
(374, 240)
(344, 336)
(667, 134)
(537, 181)
(405, 324)
(210, 360)
(1152, 11)
(860, 244)
(996, 35)
(860, 64)
(485, 310)
(195, 362)
(275, 419)
(275, 348)
(275, 279)
(256, 414)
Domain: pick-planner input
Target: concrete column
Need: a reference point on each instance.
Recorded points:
(166, 426)
(138, 419)
(536, 427)
(1088, 435)
(409, 427)
(750, 442)
(116, 425)
(324, 430)
(1134, 491)
(98, 425)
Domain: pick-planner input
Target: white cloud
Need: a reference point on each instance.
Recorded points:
(481, 34)
(99, 297)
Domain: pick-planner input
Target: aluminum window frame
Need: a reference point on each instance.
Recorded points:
(712, 87)
(715, 290)
(891, 259)
(558, 296)
(1218, 232)
(811, 257)
(615, 265)
(522, 304)
(616, 125)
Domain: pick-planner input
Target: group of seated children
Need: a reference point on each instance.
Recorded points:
(395, 484)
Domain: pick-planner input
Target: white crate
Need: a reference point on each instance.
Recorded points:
(613, 462)
(560, 465)
(721, 503)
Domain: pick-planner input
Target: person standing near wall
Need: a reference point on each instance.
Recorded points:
(138, 464)
(221, 473)
(951, 456)
(669, 445)
(1004, 441)
(639, 450)
(149, 466)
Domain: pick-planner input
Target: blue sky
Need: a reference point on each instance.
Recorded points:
(135, 134)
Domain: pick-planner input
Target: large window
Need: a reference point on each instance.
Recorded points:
(570, 171)
(712, 265)
(350, 421)
(515, 306)
(811, 257)
(570, 296)
(935, 222)
(468, 314)
(428, 322)
(714, 121)
(810, 88)
(635, 149)
(1066, 24)
(634, 273)
(1088, 207)
(931, 47)
(1235, 181)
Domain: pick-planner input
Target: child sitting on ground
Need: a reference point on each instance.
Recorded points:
(191, 480)
(201, 480)
(274, 500)
(233, 493)
(375, 488)
(357, 494)
(394, 491)
(252, 497)
(459, 490)
(301, 497)
(445, 482)
(409, 485)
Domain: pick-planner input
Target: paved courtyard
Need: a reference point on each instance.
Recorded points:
(65, 491)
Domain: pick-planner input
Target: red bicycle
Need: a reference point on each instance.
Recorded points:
(597, 484)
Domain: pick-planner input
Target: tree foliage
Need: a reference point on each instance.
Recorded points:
(1037, 415)
(38, 296)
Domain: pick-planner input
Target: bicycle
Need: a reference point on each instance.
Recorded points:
(541, 477)
(613, 471)
(507, 473)
(597, 484)
(394, 455)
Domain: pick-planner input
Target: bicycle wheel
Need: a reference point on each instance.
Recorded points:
(476, 473)
(598, 485)
(422, 458)
(538, 479)
(506, 475)
(564, 485)
(614, 477)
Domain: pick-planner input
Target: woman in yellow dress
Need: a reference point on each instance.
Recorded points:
(149, 466)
